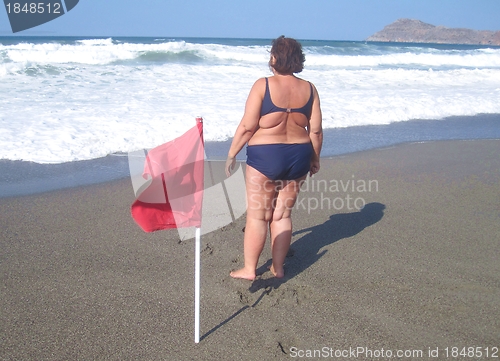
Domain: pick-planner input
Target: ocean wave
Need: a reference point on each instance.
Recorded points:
(109, 51)
(73, 100)
(169, 57)
(447, 60)
(85, 113)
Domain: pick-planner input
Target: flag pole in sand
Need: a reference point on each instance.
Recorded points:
(161, 200)
(197, 286)
(197, 275)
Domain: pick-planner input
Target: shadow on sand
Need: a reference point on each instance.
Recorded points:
(308, 249)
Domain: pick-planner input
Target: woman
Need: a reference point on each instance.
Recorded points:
(282, 126)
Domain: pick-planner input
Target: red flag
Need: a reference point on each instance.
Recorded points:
(174, 196)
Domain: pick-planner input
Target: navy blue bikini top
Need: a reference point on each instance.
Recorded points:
(269, 107)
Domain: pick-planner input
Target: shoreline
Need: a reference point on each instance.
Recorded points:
(80, 280)
(19, 178)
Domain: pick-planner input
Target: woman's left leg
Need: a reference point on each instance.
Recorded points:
(260, 194)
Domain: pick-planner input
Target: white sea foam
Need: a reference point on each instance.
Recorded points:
(65, 101)
(478, 59)
(106, 51)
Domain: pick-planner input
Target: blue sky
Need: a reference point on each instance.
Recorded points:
(311, 19)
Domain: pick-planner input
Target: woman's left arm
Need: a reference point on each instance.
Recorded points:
(248, 124)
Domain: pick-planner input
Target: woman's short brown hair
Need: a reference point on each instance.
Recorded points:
(288, 56)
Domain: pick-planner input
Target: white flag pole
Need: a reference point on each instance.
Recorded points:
(197, 286)
(197, 275)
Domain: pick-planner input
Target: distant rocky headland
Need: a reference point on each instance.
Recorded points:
(416, 31)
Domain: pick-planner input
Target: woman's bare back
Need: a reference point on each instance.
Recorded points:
(287, 92)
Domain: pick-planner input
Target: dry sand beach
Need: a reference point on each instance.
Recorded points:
(415, 270)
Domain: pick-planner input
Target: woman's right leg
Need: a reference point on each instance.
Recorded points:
(260, 195)
(281, 225)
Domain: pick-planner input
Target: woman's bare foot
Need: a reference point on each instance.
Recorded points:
(277, 274)
(243, 273)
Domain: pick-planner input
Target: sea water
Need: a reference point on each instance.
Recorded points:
(71, 99)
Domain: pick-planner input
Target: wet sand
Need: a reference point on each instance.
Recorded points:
(415, 270)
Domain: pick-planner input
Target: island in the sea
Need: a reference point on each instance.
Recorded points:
(416, 31)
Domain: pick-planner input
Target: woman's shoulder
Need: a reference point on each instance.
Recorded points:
(260, 82)
(305, 81)
(259, 85)
(312, 86)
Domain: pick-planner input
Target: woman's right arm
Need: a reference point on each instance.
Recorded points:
(316, 133)
(248, 124)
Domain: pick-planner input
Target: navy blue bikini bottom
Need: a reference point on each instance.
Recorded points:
(280, 161)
